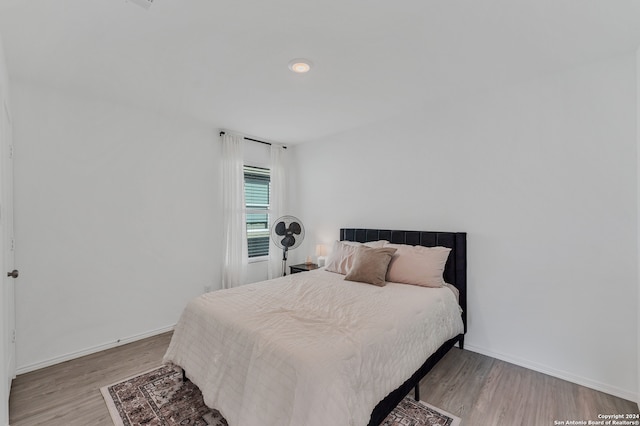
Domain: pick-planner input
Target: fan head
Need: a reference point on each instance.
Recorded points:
(287, 232)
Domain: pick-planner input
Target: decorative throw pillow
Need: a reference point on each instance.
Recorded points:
(370, 265)
(341, 257)
(418, 265)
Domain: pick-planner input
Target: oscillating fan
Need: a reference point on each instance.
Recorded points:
(287, 233)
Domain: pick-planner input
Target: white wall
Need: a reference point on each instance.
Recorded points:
(638, 204)
(4, 395)
(118, 222)
(542, 176)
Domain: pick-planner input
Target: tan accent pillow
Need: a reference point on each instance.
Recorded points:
(418, 265)
(370, 265)
(342, 255)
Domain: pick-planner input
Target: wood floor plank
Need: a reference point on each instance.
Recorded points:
(69, 393)
(471, 369)
(483, 391)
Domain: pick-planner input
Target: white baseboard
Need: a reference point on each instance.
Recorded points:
(579, 380)
(73, 355)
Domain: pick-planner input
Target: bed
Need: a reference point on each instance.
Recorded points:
(315, 349)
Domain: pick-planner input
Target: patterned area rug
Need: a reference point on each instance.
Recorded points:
(159, 397)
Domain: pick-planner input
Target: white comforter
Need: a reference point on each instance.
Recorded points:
(310, 348)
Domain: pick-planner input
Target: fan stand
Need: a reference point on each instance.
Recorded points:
(284, 261)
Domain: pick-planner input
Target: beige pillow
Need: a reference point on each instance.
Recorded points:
(418, 265)
(370, 265)
(342, 254)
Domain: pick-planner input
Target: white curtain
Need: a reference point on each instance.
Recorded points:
(236, 256)
(277, 203)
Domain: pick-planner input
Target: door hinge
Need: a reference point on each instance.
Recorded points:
(13, 244)
(13, 336)
(11, 151)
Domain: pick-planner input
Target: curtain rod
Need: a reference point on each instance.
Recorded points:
(254, 140)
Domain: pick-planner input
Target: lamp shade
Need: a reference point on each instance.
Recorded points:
(321, 250)
(321, 253)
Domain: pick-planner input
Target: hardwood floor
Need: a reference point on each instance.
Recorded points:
(485, 391)
(481, 390)
(69, 393)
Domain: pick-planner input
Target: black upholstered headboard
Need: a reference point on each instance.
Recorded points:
(455, 271)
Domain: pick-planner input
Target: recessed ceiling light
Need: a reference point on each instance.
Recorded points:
(300, 65)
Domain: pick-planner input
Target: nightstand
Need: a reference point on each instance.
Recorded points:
(303, 267)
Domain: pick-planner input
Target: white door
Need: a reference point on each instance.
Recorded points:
(7, 259)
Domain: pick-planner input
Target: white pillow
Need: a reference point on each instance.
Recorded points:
(341, 258)
(372, 244)
(342, 255)
(418, 265)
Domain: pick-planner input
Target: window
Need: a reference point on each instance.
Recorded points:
(256, 196)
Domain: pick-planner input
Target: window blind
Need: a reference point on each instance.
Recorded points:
(256, 193)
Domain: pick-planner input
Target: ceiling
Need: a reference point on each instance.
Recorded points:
(225, 61)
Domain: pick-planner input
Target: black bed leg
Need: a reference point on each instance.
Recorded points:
(184, 376)
(461, 342)
(417, 392)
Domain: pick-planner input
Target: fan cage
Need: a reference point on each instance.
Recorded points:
(281, 230)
